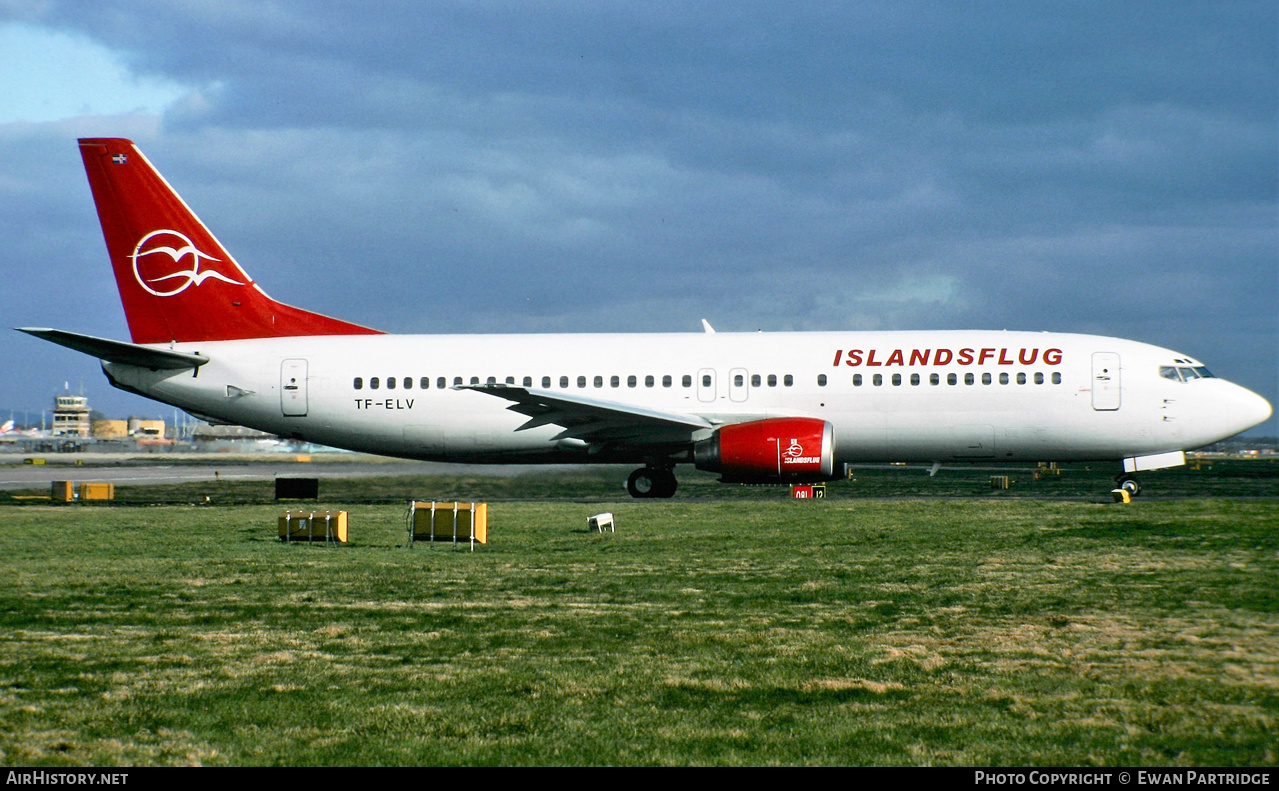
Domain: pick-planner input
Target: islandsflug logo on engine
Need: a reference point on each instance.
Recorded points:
(794, 454)
(161, 254)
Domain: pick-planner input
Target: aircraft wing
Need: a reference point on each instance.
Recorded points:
(118, 351)
(594, 421)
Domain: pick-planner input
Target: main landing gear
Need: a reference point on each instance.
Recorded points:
(1128, 482)
(652, 482)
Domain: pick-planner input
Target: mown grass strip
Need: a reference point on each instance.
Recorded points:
(971, 632)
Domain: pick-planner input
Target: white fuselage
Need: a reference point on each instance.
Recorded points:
(1016, 396)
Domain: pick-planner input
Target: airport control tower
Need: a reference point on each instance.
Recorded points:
(71, 416)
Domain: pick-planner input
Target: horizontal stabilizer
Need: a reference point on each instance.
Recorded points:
(118, 351)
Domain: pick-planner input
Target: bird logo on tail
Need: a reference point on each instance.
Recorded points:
(159, 252)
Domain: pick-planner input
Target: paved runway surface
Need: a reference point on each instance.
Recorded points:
(142, 472)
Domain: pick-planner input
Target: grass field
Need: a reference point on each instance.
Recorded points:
(989, 631)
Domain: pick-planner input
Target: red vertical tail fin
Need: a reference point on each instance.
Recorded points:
(176, 280)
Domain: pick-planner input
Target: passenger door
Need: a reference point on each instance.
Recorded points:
(293, 388)
(1105, 381)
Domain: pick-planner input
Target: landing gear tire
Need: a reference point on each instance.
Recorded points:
(641, 483)
(1129, 484)
(666, 484)
(651, 482)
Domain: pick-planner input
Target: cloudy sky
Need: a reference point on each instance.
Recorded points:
(447, 167)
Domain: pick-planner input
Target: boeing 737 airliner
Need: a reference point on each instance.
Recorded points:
(753, 407)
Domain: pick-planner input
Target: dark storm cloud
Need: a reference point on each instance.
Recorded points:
(1079, 166)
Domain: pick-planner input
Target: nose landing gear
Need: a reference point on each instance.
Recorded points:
(1128, 482)
(652, 482)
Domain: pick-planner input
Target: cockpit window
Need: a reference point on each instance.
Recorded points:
(1184, 373)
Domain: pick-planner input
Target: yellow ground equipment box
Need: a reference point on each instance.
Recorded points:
(326, 526)
(63, 491)
(97, 491)
(435, 521)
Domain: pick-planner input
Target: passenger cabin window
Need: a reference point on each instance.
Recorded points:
(788, 380)
(648, 381)
(1021, 378)
(1039, 378)
(374, 382)
(581, 381)
(706, 380)
(408, 383)
(877, 380)
(857, 380)
(738, 380)
(390, 383)
(897, 380)
(1003, 379)
(563, 381)
(666, 380)
(914, 379)
(1056, 378)
(425, 384)
(755, 380)
(985, 378)
(821, 380)
(952, 379)
(613, 381)
(441, 383)
(934, 379)
(546, 382)
(631, 381)
(359, 383)
(969, 379)
(457, 380)
(772, 380)
(687, 381)
(599, 381)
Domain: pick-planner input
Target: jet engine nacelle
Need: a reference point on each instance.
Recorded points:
(777, 450)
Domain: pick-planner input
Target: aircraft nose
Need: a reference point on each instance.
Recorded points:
(1249, 409)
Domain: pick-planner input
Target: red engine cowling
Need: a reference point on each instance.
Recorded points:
(777, 450)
